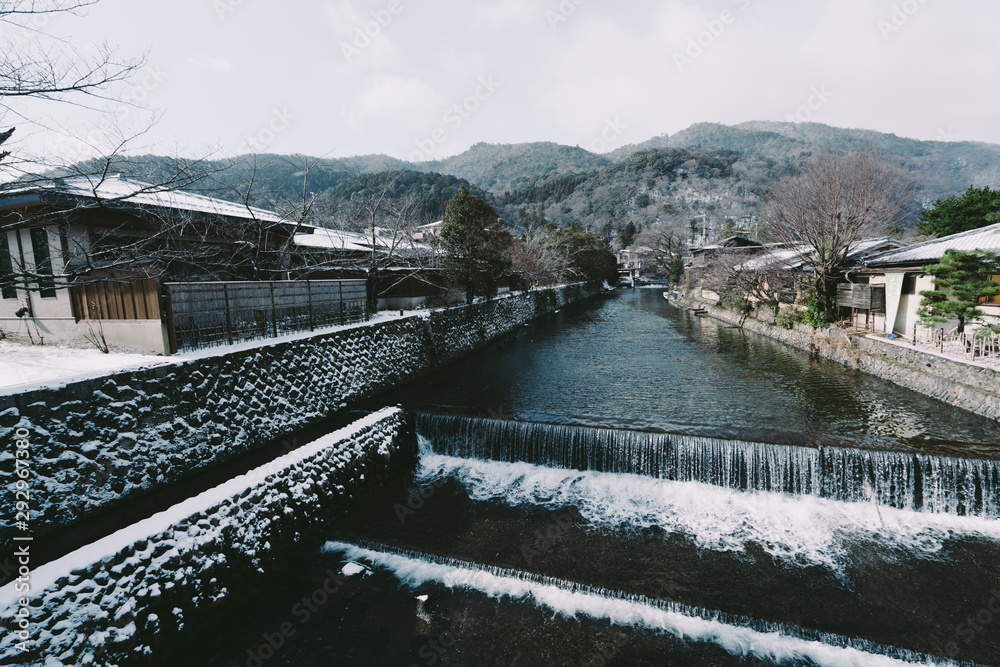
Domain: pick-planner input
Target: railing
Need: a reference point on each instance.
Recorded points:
(975, 344)
(208, 314)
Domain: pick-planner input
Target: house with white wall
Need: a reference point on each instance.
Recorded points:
(902, 274)
(57, 285)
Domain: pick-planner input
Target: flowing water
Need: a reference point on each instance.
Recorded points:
(625, 484)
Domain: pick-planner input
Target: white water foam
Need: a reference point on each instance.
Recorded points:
(740, 641)
(804, 530)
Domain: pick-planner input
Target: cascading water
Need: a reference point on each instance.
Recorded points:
(741, 635)
(709, 502)
(917, 482)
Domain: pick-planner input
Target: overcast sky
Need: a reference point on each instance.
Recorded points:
(432, 77)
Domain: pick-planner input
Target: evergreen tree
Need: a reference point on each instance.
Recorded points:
(476, 245)
(977, 208)
(962, 281)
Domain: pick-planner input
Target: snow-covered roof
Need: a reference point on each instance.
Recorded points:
(332, 239)
(783, 256)
(985, 238)
(119, 191)
(862, 249)
(777, 257)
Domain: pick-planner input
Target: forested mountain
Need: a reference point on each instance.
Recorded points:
(705, 181)
(501, 167)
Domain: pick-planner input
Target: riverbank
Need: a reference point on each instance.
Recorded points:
(99, 443)
(969, 386)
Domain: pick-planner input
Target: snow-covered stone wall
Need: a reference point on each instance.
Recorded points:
(114, 601)
(97, 443)
(457, 331)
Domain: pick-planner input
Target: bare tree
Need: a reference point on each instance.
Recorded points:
(384, 216)
(759, 280)
(38, 65)
(534, 262)
(668, 253)
(834, 202)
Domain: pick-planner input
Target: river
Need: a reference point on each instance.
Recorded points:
(623, 483)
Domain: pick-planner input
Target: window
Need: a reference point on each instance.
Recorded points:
(43, 263)
(910, 283)
(7, 289)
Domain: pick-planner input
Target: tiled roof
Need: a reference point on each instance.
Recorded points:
(985, 238)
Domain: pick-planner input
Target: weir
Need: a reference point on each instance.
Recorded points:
(908, 481)
(765, 639)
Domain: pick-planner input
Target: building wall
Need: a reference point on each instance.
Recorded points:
(904, 316)
(99, 443)
(116, 601)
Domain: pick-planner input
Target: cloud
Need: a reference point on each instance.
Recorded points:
(342, 17)
(399, 102)
(214, 64)
(506, 12)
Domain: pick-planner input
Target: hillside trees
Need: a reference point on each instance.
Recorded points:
(976, 208)
(833, 202)
(476, 245)
(962, 281)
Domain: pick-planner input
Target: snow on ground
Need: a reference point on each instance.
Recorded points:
(380, 318)
(24, 367)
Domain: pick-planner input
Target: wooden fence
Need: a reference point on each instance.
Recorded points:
(208, 314)
(116, 300)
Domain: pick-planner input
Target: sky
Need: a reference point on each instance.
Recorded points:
(423, 79)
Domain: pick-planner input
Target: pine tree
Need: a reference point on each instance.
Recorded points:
(976, 208)
(476, 245)
(962, 281)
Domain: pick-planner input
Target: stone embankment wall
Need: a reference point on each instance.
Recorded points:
(114, 602)
(97, 443)
(964, 386)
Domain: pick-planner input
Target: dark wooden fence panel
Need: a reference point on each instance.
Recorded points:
(116, 300)
(209, 314)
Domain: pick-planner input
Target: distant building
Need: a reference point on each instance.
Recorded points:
(427, 233)
(635, 262)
